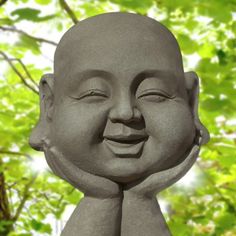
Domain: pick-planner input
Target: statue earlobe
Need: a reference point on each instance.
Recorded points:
(192, 86)
(41, 131)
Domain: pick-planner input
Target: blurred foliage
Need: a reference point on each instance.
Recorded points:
(206, 33)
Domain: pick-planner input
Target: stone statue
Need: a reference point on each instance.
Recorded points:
(119, 121)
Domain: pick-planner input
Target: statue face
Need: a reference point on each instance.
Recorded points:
(120, 106)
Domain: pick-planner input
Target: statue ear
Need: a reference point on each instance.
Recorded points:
(192, 86)
(41, 131)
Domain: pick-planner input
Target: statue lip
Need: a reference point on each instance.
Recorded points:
(125, 145)
(126, 138)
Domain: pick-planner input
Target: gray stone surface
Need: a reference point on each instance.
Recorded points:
(119, 121)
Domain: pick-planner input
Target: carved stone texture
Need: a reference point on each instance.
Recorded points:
(119, 121)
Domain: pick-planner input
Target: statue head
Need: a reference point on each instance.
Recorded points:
(119, 104)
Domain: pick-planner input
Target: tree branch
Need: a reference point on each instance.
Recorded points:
(26, 70)
(4, 204)
(25, 197)
(2, 2)
(41, 40)
(71, 14)
(18, 72)
(5, 212)
(9, 186)
(15, 153)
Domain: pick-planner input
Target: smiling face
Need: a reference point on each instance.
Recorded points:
(120, 105)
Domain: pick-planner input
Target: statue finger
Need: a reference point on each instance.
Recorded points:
(88, 183)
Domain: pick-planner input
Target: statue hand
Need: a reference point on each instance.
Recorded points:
(141, 214)
(89, 184)
(163, 179)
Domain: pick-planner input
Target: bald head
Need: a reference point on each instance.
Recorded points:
(122, 33)
(123, 44)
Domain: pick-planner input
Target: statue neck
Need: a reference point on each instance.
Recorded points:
(127, 215)
(142, 216)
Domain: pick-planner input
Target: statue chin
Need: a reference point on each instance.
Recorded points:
(123, 179)
(135, 178)
(129, 178)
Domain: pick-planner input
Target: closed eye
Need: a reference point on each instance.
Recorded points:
(154, 95)
(95, 93)
(149, 92)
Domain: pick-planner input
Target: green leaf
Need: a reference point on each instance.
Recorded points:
(40, 227)
(36, 225)
(6, 21)
(74, 197)
(26, 13)
(29, 44)
(207, 50)
(222, 56)
(139, 6)
(179, 227)
(30, 14)
(218, 10)
(188, 45)
(43, 2)
(226, 221)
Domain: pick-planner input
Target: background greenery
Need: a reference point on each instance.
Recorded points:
(31, 198)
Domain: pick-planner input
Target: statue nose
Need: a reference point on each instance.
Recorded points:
(124, 111)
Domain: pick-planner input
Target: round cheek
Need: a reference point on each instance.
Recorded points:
(75, 127)
(171, 130)
(176, 124)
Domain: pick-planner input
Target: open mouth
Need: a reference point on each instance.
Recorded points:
(125, 146)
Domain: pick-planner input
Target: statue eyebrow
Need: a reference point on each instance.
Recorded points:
(82, 76)
(161, 74)
(165, 75)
